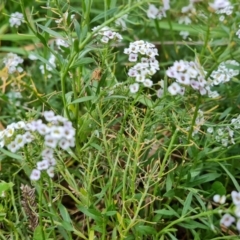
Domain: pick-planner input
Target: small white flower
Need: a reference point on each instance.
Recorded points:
(64, 144)
(20, 125)
(35, 175)
(219, 199)
(174, 88)
(47, 152)
(140, 78)
(152, 11)
(227, 220)
(68, 132)
(49, 116)
(160, 93)
(147, 83)
(132, 57)
(132, 72)
(134, 88)
(50, 172)
(9, 131)
(236, 198)
(210, 130)
(183, 79)
(56, 132)
(43, 129)
(20, 140)
(13, 147)
(51, 161)
(50, 141)
(34, 125)
(27, 137)
(60, 42)
(16, 19)
(104, 39)
(42, 165)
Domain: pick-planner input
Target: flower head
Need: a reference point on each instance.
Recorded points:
(16, 19)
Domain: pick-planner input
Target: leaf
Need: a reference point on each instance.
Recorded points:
(104, 14)
(115, 97)
(218, 188)
(85, 99)
(231, 176)
(10, 154)
(145, 101)
(77, 28)
(187, 204)
(92, 213)
(110, 213)
(166, 212)
(225, 113)
(37, 235)
(191, 224)
(82, 61)
(64, 213)
(208, 177)
(145, 230)
(50, 31)
(5, 186)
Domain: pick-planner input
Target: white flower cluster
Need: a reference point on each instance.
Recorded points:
(60, 42)
(107, 34)
(223, 135)
(12, 62)
(188, 11)
(49, 68)
(225, 72)
(16, 19)
(222, 7)
(189, 74)
(227, 219)
(57, 132)
(156, 13)
(148, 65)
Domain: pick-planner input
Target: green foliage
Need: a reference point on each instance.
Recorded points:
(144, 166)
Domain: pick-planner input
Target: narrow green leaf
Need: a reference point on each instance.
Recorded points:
(187, 204)
(5, 186)
(145, 230)
(85, 99)
(219, 188)
(50, 31)
(64, 213)
(81, 62)
(104, 14)
(231, 176)
(92, 213)
(10, 154)
(37, 235)
(166, 212)
(225, 113)
(77, 28)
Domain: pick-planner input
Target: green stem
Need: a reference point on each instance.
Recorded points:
(40, 208)
(194, 119)
(167, 154)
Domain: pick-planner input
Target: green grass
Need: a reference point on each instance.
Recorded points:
(137, 171)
